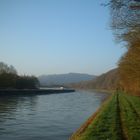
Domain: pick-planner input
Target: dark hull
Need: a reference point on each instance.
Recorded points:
(33, 91)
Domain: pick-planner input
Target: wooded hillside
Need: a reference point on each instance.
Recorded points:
(126, 27)
(106, 81)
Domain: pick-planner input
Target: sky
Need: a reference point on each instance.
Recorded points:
(57, 36)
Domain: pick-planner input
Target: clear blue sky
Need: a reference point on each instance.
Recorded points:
(57, 36)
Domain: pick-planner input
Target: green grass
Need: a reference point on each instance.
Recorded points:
(118, 119)
(130, 110)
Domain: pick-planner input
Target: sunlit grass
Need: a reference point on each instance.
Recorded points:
(118, 119)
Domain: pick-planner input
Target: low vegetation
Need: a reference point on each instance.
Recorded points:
(118, 119)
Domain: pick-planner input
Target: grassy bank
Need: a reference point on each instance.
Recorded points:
(117, 119)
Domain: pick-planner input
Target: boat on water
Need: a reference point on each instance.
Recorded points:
(41, 90)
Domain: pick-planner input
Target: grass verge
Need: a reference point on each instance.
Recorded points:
(117, 119)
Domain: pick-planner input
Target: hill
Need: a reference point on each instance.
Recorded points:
(106, 81)
(61, 79)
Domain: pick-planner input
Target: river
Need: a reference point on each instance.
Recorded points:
(46, 117)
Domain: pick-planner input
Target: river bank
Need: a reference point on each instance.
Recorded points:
(84, 127)
(33, 91)
(117, 119)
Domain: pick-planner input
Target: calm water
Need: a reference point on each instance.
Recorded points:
(46, 117)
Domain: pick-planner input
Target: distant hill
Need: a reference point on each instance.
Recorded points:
(61, 79)
(107, 81)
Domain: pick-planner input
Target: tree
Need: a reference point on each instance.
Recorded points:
(126, 26)
(27, 82)
(8, 75)
(124, 18)
(10, 79)
(4, 68)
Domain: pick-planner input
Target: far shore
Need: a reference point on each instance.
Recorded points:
(33, 91)
(97, 90)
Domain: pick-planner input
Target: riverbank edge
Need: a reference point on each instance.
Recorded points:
(90, 120)
(33, 91)
(97, 90)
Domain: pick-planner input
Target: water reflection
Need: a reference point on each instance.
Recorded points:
(10, 105)
(45, 117)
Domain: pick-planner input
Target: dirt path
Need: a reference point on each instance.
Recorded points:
(119, 119)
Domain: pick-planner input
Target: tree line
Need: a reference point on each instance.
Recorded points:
(126, 26)
(9, 79)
